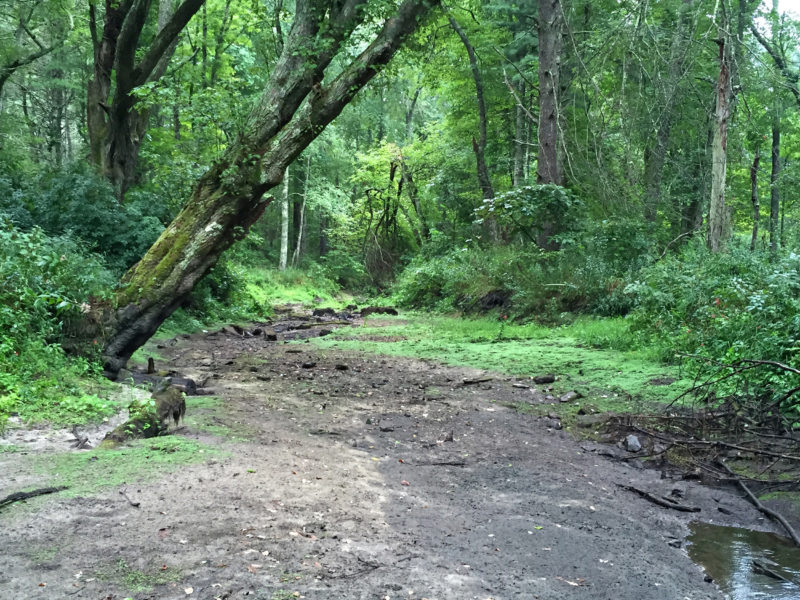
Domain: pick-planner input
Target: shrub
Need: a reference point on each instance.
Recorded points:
(79, 201)
(724, 306)
(43, 281)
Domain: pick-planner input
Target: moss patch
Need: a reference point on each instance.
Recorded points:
(135, 580)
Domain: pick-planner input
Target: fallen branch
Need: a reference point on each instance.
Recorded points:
(757, 503)
(771, 363)
(80, 442)
(18, 496)
(660, 500)
(666, 248)
(131, 502)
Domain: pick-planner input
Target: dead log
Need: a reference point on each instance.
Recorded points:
(660, 500)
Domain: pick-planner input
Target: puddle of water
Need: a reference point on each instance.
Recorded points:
(727, 554)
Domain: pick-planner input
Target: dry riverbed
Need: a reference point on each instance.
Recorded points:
(332, 474)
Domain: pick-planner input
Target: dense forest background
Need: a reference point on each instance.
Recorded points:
(530, 160)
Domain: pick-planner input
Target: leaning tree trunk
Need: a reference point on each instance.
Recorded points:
(293, 110)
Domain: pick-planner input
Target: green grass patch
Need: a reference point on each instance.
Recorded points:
(142, 461)
(791, 498)
(208, 414)
(588, 356)
(271, 286)
(44, 554)
(135, 580)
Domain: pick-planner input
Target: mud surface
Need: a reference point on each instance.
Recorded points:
(351, 476)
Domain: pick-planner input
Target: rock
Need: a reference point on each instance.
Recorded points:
(378, 310)
(341, 367)
(570, 396)
(184, 384)
(124, 376)
(549, 378)
(324, 332)
(588, 409)
(323, 312)
(597, 420)
(309, 365)
(632, 444)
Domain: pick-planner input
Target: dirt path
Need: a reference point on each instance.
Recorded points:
(351, 476)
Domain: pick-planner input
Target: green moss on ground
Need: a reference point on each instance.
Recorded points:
(589, 356)
(142, 461)
(208, 414)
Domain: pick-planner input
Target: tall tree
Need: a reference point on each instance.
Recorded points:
(549, 168)
(123, 61)
(479, 145)
(293, 110)
(719, 212)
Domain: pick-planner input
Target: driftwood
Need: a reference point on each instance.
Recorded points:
(757, 503)
(18, 496)
(660, 500)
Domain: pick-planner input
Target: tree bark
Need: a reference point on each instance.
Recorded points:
(520, 127)
(284, 221)
(775, 154)
(301, 229)
(719, 212)
(549, 168)
(293, 110)
(774, 190)
(754, 195)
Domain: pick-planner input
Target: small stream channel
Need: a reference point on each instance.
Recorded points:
(733, 556)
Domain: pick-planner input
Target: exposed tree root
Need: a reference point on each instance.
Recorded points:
(757, 503)
(18, 496)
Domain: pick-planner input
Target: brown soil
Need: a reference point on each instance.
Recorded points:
(390, 478)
